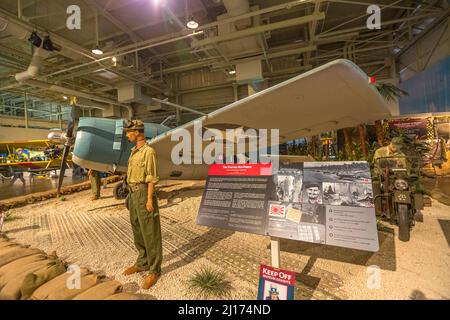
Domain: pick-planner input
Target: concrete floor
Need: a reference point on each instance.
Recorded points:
(37, 185)
(98, 236)
(440, 183)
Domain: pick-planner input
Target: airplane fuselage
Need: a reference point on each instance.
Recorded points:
(101, 144)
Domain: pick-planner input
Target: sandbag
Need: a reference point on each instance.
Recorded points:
(36, 279)
(21, 262)
(125, 296)
(44, 291)
(100, 291)
(9, 254)
(11, 290)
(23, 269)
(64, 293)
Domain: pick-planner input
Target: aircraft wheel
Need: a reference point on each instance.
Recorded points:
(120, 191)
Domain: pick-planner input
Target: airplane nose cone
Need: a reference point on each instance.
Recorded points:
(57, 137)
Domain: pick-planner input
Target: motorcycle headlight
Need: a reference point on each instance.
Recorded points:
(401, 184)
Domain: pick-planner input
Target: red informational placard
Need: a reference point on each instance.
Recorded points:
(254, 169)
(412, 127)
(277, 275)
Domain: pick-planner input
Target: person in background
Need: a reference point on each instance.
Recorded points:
(391, 154)
(94, 177)
(104, 175)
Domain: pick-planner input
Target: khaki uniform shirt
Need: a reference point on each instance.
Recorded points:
(142, 166)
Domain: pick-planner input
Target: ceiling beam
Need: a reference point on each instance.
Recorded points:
(258, 29)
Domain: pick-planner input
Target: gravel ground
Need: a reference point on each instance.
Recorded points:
(99, 237)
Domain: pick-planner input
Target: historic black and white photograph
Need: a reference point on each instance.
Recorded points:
(312, 213)
(312, 193)
(348, 194)
(348, 171)
(289, 185)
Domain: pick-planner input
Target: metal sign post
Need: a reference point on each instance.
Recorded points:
(2, 219)
(275, 252)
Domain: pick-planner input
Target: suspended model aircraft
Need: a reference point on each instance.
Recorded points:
(334, 96)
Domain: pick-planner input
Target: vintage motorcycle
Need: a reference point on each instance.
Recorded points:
(397, 196)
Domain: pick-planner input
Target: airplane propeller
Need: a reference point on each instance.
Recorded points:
(67, 145)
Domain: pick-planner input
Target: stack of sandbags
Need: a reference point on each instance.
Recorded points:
(100, 291)
(58, 288)
(27, 273)
(10, 252)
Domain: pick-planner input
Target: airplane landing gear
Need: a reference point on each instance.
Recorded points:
(120, 191)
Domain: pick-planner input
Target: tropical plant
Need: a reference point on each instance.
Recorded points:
(389, 91)
(8, 217)
(210, 282)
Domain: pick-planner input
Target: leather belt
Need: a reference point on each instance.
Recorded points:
(137, 187)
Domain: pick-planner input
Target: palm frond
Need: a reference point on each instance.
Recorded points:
(390, 92)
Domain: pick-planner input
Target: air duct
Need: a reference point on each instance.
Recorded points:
(132, 93)
(71, 92)
(33, 69)
(236, 7)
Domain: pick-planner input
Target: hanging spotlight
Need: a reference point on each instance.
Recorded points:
(97, 51)
(48, 45)
(65, 98)
(35, 40)
(232, 72)
(192, 24)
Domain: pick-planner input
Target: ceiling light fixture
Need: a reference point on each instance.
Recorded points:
(97, 51)
(65, 98)
(232, 72)
(192, 24)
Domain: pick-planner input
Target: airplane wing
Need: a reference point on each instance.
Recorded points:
(334, 96)
(25, 144)
(33, 166)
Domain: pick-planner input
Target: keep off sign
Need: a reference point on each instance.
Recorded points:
(275, 284)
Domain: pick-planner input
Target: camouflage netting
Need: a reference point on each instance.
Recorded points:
(27, 273)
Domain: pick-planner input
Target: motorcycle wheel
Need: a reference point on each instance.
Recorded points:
(403, 222)
(120, 191)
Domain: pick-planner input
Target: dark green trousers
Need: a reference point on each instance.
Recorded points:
(95, 183)
(147, 231)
